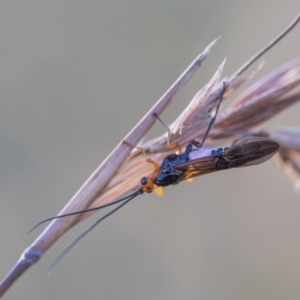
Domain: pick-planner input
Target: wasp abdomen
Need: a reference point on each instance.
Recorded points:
(205, 152)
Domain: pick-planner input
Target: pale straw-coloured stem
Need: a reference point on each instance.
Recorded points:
(92, 188)
(267, 47)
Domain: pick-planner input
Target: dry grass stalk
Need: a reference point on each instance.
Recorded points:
(111, 180)
(92, 188)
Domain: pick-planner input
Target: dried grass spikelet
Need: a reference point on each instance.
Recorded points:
(263, 100)
(260, 102)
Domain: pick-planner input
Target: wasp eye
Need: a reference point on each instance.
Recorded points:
(144, 181)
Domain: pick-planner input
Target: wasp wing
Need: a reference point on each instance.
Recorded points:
(250, 151)
(247, 152)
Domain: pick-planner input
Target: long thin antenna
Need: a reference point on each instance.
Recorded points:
(58, 259)
(138, 192)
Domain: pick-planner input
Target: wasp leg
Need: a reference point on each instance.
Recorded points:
(169, 132)
(188, 149)
(212, 121)
(148, 159)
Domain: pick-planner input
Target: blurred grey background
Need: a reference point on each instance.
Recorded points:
(75, 77)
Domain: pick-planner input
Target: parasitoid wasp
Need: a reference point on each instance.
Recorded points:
(194, 161)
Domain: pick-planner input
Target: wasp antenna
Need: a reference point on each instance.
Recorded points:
(139, 191)
(58, 259)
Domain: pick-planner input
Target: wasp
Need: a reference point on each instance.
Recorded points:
(194, 161)
(199, 161)
(175, 168)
